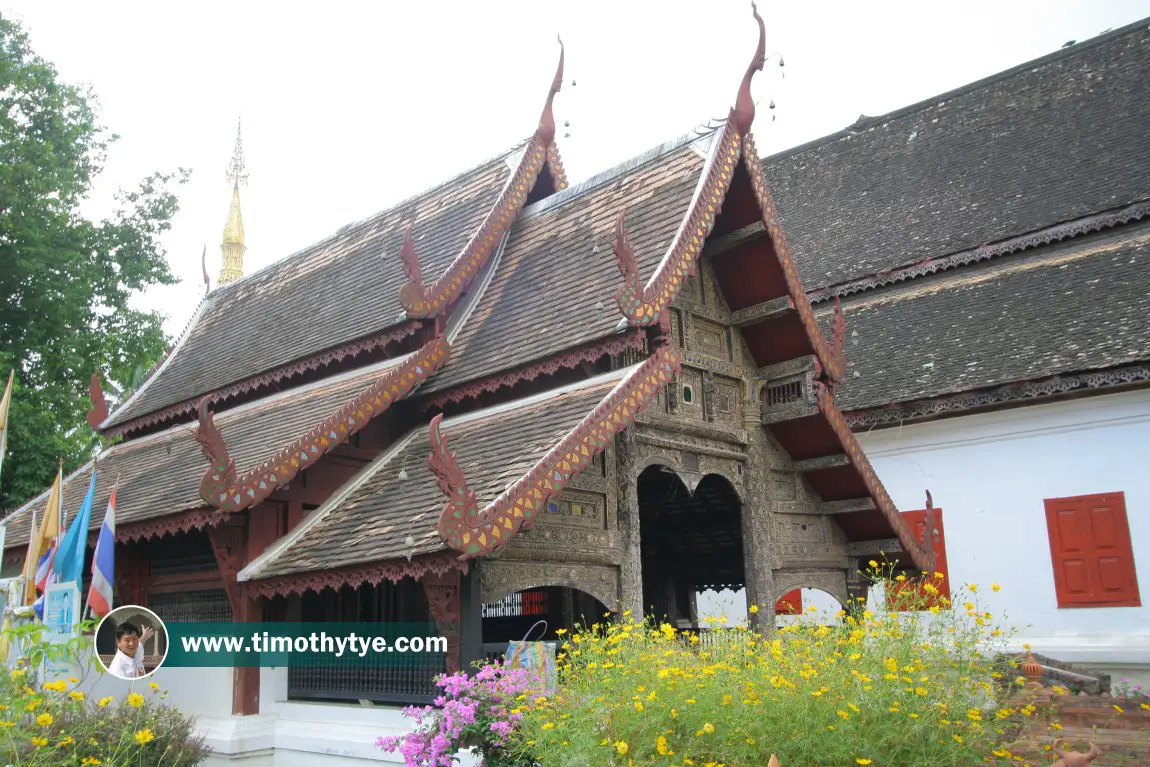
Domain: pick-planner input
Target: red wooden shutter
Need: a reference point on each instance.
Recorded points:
(1091, 551)
(901, 595)
(790, 604)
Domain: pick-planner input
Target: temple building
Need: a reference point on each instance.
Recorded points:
(511, 397)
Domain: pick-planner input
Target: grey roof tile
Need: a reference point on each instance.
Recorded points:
(494, 449)
(1050, 141)
(339, 290)
(1070, 307)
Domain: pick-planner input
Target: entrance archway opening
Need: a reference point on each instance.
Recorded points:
(511, 618)
(691, 542)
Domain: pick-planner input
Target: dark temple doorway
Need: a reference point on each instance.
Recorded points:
(690, 542)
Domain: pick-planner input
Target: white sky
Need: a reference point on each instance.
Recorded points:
(350, 107)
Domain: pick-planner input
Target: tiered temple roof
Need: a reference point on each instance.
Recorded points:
(986, 237)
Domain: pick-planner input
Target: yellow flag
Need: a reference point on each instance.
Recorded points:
(43, 538)
(4, 403)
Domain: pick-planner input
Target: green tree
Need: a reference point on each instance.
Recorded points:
(66, 280)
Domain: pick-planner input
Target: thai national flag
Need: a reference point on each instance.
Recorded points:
(44, 568)
(103, 563)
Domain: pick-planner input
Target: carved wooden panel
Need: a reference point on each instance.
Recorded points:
(690, 402)
(709, 338)
(499, 578)
(576, 509)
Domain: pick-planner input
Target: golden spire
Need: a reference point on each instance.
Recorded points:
(233, 246)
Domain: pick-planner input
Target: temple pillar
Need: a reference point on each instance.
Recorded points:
(229, 543)
(631, 567)
(756, 519)
(444, 606)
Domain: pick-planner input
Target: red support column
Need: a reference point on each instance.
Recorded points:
(443, 602)
(229, 541)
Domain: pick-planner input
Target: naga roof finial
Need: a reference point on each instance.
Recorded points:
(744, 104)
(546, 128)
(204, 266)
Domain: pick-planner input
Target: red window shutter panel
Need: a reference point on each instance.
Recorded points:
(790, 604)
(902, 595)
(1091, 551)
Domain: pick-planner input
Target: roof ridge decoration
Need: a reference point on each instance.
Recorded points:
(922, 555)
(424, 301)
(643, 306)
(222, 488)
(478, 532)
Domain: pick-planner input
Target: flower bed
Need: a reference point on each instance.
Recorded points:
(923, 687)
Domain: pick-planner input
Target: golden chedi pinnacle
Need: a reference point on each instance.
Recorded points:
(233, 246)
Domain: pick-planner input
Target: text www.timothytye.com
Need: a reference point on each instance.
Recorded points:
(317, 642)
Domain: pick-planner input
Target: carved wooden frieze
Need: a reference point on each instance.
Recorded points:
(833, 582)
(498, 578)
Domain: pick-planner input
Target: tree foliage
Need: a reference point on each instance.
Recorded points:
(66, 280)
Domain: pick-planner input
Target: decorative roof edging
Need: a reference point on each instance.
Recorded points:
(307, 364)
(923, 556)
(158, 527)
(474, 532)
(632, 339)
(1013, 392)
(355, 576)
(223, 489)
(1064, 231)
(830, 358)
(420, 300)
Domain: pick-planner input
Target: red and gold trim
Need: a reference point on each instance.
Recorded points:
(831, 358)
(642, 306)
(475, 532)
(555, 167)
(420, 300)
(923, 556)
(223, 489)
(440, 563)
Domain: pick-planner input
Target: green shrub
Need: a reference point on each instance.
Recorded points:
(51, 722)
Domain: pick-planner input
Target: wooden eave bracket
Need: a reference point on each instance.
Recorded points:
(476, 532)
(424, 301)
(224, 490)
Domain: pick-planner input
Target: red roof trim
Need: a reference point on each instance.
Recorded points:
(420, 300)
(222, 488)
(374, 573)
(479, 532)
(923, 557)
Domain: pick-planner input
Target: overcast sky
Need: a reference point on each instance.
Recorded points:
(350, 107)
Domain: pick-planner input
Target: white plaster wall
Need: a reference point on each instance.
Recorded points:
(733, 606)
(990, 473)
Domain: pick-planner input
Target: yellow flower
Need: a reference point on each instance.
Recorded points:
(58, 686)
(661, 746)
(1119, 709)
(37, 742)
(548, 725)
(862, 761)
(104, 701)
(995, 587)
(973, 588)
(144, 736)
(622, 747)
(90, 760)
(753, 609)
(73, 680)
(76, 695)
(135, 700)
(710, 728)
(44, 719)
(155, 686)
(7, 724)
(18, 673)
(66, 741)
(872, 563)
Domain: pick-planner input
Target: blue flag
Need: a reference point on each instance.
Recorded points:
(69, 564)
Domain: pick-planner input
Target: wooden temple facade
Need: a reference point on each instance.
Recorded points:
(511, 398)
